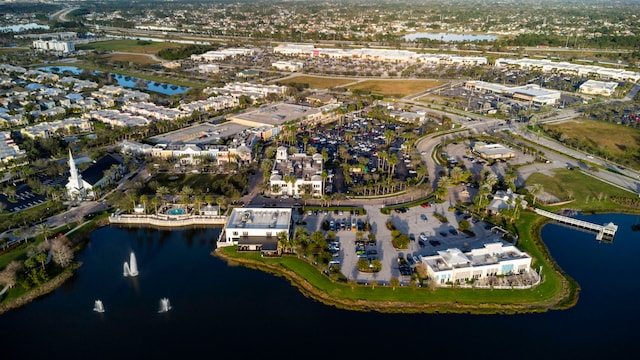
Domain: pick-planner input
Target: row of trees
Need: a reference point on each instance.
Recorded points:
(43, 259)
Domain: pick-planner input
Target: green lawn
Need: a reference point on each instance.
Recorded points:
(587, 192)
(131, 46)
(441, 299)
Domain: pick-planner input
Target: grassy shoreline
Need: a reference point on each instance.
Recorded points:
(557, 291)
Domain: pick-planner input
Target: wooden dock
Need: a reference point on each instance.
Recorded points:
(605, 232)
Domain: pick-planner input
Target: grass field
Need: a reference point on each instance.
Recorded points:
(587, 192)
(136, 59)
(396, 88)
(617, 141)
(132, 46)
(317, 82)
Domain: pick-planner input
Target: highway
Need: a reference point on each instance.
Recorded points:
(557, 153)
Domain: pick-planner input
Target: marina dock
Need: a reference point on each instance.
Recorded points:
(605, 232)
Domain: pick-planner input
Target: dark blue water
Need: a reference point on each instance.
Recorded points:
(125, 81)
(221, 310)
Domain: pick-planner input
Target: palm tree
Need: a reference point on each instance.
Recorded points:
(44, 229)
(197, 202)
(162, 191)
(292, 180)
(144, 199)
(222, 202)
(324, 175)
(155, 201)
(187, 191)
(393, 161)
(536, 190)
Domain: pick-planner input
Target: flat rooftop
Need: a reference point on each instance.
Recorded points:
(260, 218)
(276, 114)
(205, 133)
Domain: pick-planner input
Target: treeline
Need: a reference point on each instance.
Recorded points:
(185, 52)
(602, 42)
(625, 201)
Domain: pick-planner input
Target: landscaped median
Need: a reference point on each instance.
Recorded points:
(556, 291)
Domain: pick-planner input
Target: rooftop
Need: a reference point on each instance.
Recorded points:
(260, 218)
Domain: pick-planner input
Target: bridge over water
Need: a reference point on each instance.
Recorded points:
(605, 232)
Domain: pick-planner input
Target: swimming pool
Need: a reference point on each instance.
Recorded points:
(176, 211)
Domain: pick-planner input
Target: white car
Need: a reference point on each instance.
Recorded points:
(423, 237)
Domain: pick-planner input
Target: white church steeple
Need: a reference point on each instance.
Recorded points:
(75, 185)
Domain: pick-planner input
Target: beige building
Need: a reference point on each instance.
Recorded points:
(493, 151)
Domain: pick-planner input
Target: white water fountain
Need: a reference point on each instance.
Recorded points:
(131, 268)
(164, 305)
(98, 306)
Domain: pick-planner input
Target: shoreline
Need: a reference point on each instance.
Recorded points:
(565, 298)
(47, 288)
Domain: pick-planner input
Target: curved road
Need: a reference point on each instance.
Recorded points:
(561, 156)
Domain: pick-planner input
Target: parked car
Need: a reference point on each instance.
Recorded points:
(421, 243)
(423, 217)
(423, 237)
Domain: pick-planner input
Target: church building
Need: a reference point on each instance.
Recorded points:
(80, 185)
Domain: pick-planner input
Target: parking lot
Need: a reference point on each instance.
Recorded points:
(437, 236)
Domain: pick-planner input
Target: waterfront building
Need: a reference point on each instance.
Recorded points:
(256, 229)
(453, 266)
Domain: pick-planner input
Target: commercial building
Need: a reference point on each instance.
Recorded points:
(256, 229)
(278, 114)
(492, 151)
(531, 93)
(296, 174)
(292, 66)
(595, 87)
(384, 55)
(452, 266)
(548, 66)
(54, 45)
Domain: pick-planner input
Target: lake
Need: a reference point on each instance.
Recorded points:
(220, 309)
(23, 27)
(449, 37)
(125, 81)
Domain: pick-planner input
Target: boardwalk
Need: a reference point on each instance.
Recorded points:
(605, 232)
(168, 220)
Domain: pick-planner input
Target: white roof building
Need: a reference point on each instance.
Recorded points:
(453, 266)
(304, 170)
(256, 229)
(545, 65)
(505, 200)
(595, 87)
(530, 92)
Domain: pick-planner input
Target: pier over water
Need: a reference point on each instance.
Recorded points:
(606, 232)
